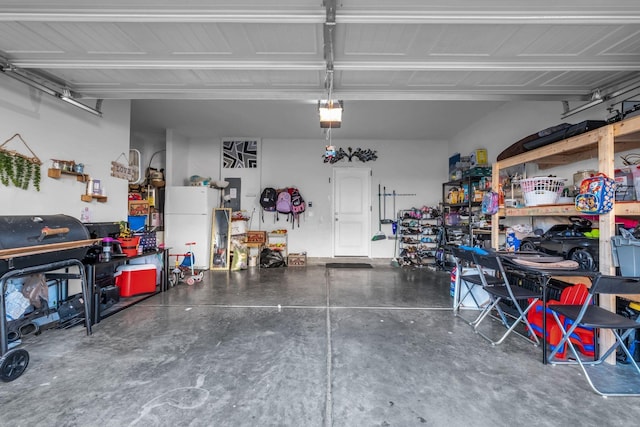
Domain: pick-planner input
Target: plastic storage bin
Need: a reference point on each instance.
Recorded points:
(136, 279)
(626, 255)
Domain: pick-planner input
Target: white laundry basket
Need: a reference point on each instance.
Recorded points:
(541, 190)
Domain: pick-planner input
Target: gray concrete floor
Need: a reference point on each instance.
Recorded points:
(303, 346)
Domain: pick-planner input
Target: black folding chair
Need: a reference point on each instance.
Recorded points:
(465, 283)
(612, 380)
(517, 296)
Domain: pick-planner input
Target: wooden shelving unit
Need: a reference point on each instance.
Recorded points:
(57, 173)
(601, 143)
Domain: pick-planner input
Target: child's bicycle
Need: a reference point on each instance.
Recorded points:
(184, 272)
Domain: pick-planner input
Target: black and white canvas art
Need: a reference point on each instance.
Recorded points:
(239, 154)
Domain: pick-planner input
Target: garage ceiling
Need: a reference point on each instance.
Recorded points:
(261, 65)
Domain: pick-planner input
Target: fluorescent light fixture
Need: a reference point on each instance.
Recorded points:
(330, 113)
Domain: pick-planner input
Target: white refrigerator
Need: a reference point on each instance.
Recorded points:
(187, 218)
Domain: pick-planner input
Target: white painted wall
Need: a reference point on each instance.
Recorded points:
(54, 129)
(177, 157)
(512, 122)
(409, 167)
(152, 150)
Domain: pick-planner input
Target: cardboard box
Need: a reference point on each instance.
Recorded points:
(136, 279)
(297, 260)
(238, 227)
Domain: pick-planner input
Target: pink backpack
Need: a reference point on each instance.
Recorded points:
(297, 202)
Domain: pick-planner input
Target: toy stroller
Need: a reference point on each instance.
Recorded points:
(185, 272)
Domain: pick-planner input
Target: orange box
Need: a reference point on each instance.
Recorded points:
(136, 279)
(138, 207)
(256, 236)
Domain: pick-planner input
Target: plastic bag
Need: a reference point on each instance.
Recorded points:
(271, 259)
(16, 304)
(240, 257)
(35, 289)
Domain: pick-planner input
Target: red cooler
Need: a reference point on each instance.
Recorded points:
(136, 279)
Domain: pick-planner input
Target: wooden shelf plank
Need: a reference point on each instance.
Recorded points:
(543, 210)
(57, 173)
(620, 208)
(627, 208)
(89, 198)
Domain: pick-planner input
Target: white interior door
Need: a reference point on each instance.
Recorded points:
(352, 211)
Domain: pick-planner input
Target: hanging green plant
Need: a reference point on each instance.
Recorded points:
(18, 169)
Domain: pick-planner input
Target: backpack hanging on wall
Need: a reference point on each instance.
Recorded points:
(297, 202)
(298, 205)
(268, 200)
(283, 203)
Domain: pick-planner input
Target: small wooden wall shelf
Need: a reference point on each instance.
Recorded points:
(90, 197)
(57, 173)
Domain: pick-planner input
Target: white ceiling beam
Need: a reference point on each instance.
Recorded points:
(90, 92)
(545, 64)
(482, 17)
(343, 16)
(164, 16)
(560, 64)
(123, 64)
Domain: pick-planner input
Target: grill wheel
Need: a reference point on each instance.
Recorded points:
(13, 364)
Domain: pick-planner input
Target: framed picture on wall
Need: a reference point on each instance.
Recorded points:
(239, 153)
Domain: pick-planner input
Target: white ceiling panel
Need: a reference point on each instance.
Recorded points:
(519, 79)
(437, 78)
(273, 39)
(587, 79)
(376, 40)
(471, 40)
(370, 51)
(567, 40)
(625, 45)
(17, 39)
(183, 39)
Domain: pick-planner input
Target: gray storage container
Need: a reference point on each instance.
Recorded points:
(626, 255)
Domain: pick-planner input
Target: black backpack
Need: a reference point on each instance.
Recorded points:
(268, 199)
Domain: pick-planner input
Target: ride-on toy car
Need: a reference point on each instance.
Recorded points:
(575, 241)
